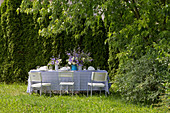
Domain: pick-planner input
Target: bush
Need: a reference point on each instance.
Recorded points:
(141, 80)
(164, 99)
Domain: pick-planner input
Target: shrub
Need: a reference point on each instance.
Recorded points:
(141, 80)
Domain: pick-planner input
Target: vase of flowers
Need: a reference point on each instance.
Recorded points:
(78, 58)
(73, 67)
(73, 60)
(83, 58)
(56, 67)
(55, 62)
(80, 67)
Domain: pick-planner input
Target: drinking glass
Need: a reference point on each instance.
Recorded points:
(84, 67)
(38, 67)
(50, 68)
(60, 67)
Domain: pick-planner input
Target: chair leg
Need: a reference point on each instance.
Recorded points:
(30, 92)
(50, 91)
(91, 90)
(100, 91)
(40, 91)
(105, 93)
(72, 90)
(60, 90)
(67, 89)
(46, 91)
(87, 90)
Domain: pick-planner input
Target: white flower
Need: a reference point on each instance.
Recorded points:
(83, 59)
(73, 63)
(69, 63)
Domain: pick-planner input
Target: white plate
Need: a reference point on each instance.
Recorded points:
(91, 68)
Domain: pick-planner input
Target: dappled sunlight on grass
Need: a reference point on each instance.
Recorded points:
(13, 98)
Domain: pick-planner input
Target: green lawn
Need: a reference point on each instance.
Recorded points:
(14, 99)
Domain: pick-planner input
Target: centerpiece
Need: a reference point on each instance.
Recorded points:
(54, 62)
(78, 58)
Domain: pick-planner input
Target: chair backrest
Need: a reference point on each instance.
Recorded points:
(35, 77)
(99, 76)
(66, 75)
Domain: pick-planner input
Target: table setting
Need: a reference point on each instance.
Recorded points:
(76, 61)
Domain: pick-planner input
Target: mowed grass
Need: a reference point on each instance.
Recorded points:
(14, 99)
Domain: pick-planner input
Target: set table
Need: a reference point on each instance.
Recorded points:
(81, 78)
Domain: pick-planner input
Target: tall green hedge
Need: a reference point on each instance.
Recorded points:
(26, 49)
(22, 48)
(1, 45)
(13, 61)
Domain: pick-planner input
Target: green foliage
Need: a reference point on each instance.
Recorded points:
(141, 80)
(136, 33)
(164, 103)
(22, 48)
(139, 48)
(1, 45)
(3, 41)
(66, 28)
(35, 31)
(13, 62)
(13, 98)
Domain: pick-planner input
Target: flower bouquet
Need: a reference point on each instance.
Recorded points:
(83, 58)
(78, 58)
(54, 62)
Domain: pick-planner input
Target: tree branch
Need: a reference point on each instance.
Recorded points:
(164, 22)
(135, 11)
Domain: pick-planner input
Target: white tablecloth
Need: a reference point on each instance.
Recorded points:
(81, 78)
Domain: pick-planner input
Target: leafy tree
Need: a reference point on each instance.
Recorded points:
(69, 23)
(138, 43)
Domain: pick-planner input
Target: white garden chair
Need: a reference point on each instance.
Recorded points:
(66, 79)
(98, 79)
(36, 82)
